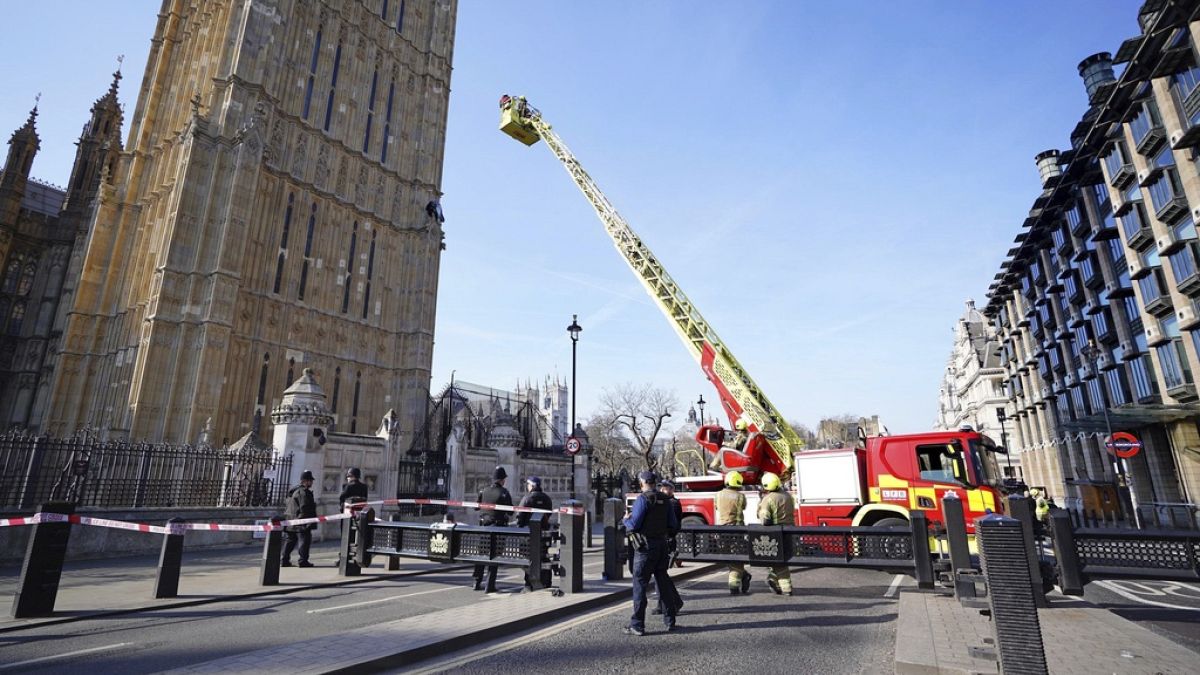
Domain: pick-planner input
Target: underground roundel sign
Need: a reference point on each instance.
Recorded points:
(573, 446)
(1123, 444)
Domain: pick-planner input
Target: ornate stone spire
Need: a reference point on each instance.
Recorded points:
(303, 403)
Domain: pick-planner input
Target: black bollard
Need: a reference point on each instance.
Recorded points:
(960, 549)
(1066, 556)
(1021, 509)
(921, 555)
(362, 538)
(170, 561)
(348, 564)
(394, 560)
(272, 547)
(42, 570)
(572, 527)
(614, 535)
(537, 551)
(1010, 597)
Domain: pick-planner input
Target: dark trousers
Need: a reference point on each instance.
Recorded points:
(491, 575)
(303, 538)
(652, 562)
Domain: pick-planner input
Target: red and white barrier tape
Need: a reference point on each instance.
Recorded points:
(180, 528)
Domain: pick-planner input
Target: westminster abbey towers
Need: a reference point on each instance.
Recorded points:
(276, 208)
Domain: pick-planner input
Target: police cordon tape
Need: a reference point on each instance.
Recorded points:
(180, 528)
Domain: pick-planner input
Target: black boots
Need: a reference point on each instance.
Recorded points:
(478, 585)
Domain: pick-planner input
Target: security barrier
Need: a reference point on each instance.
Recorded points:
(1086, 554)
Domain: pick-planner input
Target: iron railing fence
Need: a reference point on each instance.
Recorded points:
(89, 472)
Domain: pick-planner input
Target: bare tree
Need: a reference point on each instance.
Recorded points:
(611, 449)
(640, 410)
(805, 434)
(688, 455)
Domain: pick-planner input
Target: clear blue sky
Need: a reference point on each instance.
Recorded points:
(829, 182)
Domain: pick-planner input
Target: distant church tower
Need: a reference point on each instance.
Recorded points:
(277, 208)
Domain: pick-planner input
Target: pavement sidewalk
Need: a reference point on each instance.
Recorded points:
(934, 633)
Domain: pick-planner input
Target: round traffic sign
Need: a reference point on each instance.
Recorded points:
(573, 446)
(1123, 444)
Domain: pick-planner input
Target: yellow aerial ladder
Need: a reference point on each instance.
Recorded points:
(740, 396)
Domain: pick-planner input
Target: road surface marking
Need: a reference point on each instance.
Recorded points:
(379, 600)
(511, 643)
(891, 591)
(1116, 588)
(81, 652)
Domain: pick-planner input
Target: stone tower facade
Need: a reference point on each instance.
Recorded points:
(277, 209)
(43, 230)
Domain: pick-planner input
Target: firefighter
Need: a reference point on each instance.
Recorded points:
(738, 442)
(730, 507)
(777, 508)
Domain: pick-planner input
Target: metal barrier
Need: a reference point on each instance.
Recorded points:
(900, 549)
(1087, 554)
(449, 542)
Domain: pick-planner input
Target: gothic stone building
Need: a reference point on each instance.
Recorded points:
(277, 208)
(41, 228)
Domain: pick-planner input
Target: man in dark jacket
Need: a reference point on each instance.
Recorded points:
(355, 490)
(496, 494)
(535, 499)
(300, 504)
(649, 524)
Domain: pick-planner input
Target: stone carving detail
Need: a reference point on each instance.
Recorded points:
(397, 203)
(377, 198)
(322, 177)
(300, 156)
(274, 146)
(360, 188)
(343, 169)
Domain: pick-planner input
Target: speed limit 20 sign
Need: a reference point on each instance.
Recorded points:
(573, 446)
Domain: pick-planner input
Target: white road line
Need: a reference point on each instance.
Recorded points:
(1134, 597)
(510, 643)
(81, 652)
(379, 600)
(891, 591)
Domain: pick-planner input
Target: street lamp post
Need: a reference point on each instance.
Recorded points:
(574, 329)
(701, 404)
(1092, 352)
(1001, 416)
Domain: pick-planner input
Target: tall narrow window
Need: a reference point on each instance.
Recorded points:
(283, 242)
(349, 269)
(291, 376)
(370, 112)
(354, 409)
(400, 18)
(262, 380)
(312, 223)
(383, 10)
(16, 318)
(337, 388)
(337, 64)
(370, 272)
(312, 75)
(387, 122)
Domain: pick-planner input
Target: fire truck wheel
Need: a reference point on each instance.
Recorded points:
(897, 547)
(692, 521)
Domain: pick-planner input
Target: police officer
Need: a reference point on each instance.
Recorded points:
(496, 494)
(667, 487)
(730, 507)
(650, 523)
(355, 490)
(536, 499)
(777, 508)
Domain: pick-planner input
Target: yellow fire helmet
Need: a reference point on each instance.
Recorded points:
(741, 424)
(733, 479)
(1035, 492)
(770, 482)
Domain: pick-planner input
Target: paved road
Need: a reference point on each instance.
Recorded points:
(1169, 608)
(842, 622)
(163, 639)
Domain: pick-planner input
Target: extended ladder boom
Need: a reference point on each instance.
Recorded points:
(740, 396)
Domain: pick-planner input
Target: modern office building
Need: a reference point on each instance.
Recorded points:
(275, 208)
(1095, 305)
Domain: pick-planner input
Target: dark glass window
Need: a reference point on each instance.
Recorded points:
(370, 274)
(16, 318)
(1116, 158)
(1146, 119)
(337, 389)
(262, 379)
(370, 111)
(337, 64)
(1183, 262)
(387, 118)
(1139, 371)
(383, 10)
(349, 269)
(312, 75)
(354, 409)
(400, 18)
